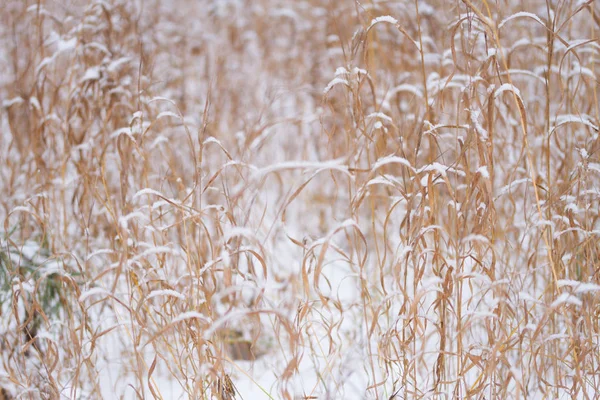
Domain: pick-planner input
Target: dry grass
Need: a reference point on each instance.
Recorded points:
(299, 200)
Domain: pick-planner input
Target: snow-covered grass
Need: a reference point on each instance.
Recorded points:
(299, 199)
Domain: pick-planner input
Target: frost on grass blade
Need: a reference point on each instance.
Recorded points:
(483, 134)
(341, 71)
(433, 284)
(391, 160)
(97, 46)
(483, 171)
(10, 102)
(165, 114)
(527, 297)
(480, 314)
(24, 286)
(22, 209)
(384, 18)
(335, 81)
(476, 238)
(406, 88)
(160, 98)
(93, 292)
(116, 65)
(380, 180)
(159, 139)
(138, 115)
(212, 139)
(521, 14)
(558, 234)
(123, 131)
(439, 168)
(166, 292)
(337, 164)
(147, 191)
(91, 74)
(123, 220)
(35, 103)
(65, 45)
(594, 167)
(158, 250)
(566, 298)
(579, 287)
(571, 118)
(507, 87)
(239, 231)
(359, 71)
(99, 252)
(190, 315)
(510, 186)
(380, 115)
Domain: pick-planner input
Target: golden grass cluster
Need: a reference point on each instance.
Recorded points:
(299, 199)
